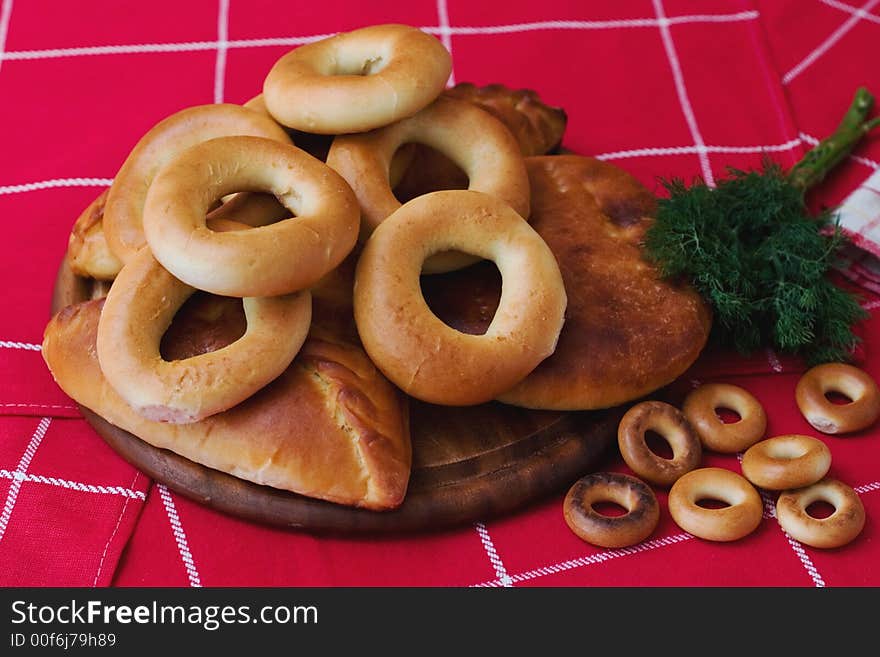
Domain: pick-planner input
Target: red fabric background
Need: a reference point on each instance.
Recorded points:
(661, 88)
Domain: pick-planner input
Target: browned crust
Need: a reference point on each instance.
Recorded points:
(88, 253)
(639, 522)
(831, 418)
(627, 331)
(669, 422)
(372, 411)
(329, 427)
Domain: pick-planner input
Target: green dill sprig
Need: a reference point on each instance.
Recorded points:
(752, 250)
(756, 254)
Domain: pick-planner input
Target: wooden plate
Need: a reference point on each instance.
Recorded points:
(469, 464)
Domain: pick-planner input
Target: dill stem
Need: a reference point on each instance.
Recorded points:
(816, 164)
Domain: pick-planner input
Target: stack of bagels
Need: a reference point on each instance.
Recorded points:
(270, 309)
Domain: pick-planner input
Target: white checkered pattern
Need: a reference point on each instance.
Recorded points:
(661, 23)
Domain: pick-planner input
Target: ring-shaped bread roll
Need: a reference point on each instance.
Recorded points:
(729, 523)
(828, 417)
(639, 521)
(139, 309)
(123, 214)
(357, 81)
(836, 530)
(667, 421)
(280, 258)
(469, 136)
(411, 345)
(728, 438)
(791, 461)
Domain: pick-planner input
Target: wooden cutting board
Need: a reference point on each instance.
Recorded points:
(469, 464)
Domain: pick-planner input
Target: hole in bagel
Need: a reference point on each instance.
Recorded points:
(428, 170)
(249, 209)
(838, 398)
(820, 509)
(467, 299)
(205, 323)
(608, 509)
(348, 65)
(727, 415)
(711, 503)
(658, 445)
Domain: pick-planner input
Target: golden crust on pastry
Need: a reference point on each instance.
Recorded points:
(627, 331)
(537, 127)
(331, 426)
(87, 249)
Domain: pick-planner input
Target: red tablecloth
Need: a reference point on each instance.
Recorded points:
(661, 88)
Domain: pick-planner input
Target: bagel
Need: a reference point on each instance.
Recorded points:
(357, 81)
(280, 258)
(147, 297)
(639, 521)
(790, 461)
(831, 418)
(700, 408)
(123, 214)
(730, 523)
(673, 427)
(472, 138)
(413, 347)
(90, 256)
(836, 530)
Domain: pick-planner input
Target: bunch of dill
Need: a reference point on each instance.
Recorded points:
(751, 248)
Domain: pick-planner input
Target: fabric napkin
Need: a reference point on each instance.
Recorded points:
(660, 88)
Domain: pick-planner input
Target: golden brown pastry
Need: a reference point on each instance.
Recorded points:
(274, 259)
(87, 249)
(330, 427)
(357, 81)
(537, 127)
(828, 417)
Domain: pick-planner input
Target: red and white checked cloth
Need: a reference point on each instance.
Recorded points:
(659, 87)
(860, 216)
